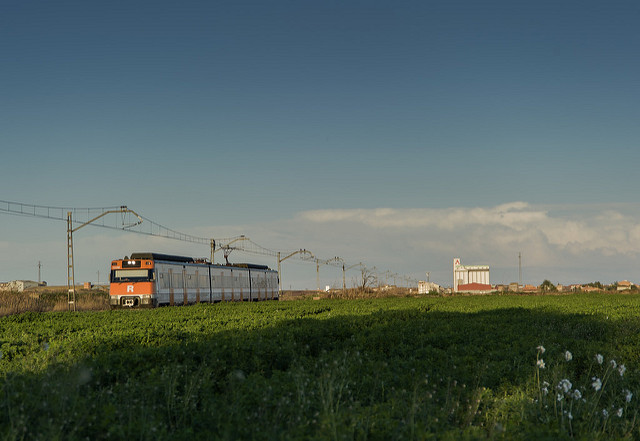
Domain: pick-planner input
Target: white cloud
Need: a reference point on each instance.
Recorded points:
(516, 215)
(597, 240)
(503, 224)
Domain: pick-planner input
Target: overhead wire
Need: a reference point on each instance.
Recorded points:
(146, 226)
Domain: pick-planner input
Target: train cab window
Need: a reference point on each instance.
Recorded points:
(132, 275)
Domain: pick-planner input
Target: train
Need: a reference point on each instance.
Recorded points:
(154, 279)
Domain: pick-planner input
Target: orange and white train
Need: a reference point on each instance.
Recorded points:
(152, 279)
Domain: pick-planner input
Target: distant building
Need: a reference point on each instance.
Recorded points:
(464, 275)
(427, 287)
(475, 288)
(18, 285)
(624, 285)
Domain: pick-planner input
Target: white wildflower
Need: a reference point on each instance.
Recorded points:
(597, 384)
(570, 416)
(568, 356)
(622, 369)
(619, 412)
(564, 385)
(627, 395)
(545, 384)
(540, 363)
(559, 397)
(599, 358)
(576, 394)
(545, 391)
(605, 413)
(614, 364)
(541, 349)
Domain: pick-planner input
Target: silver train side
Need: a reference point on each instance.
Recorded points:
(152, 279)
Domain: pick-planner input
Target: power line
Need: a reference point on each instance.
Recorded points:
(128, 220)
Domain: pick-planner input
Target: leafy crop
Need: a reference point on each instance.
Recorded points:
(401, 368)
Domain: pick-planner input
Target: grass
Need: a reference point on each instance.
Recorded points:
(348, 294)
(19, 302)
(378, 369)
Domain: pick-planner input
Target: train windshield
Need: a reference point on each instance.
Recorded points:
(131, 275)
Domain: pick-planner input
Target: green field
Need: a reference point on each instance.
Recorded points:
(383, 369)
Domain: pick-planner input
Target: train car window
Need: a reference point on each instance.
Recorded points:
(192, 281)
(163, 281)
(176, 281)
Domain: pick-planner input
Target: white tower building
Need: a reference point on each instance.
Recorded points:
(463, 275)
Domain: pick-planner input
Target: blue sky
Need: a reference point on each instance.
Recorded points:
(295, 122)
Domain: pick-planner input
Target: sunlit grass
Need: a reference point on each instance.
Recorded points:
(19, 302)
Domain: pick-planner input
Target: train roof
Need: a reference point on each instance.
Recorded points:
(183, 259)
(160, 256)
(250, 265)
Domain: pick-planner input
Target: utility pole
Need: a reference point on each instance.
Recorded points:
(344, 280)
(301, 251)
(39, 278)
(224, 247)
(340, 259)
(324, 262)
(71, 281)
(519, 270)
